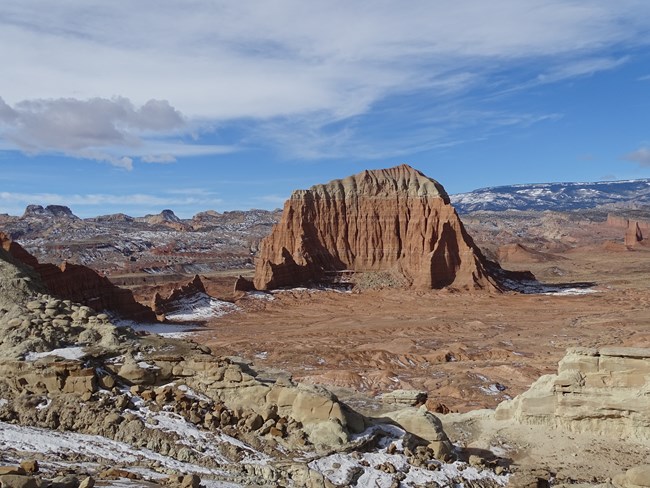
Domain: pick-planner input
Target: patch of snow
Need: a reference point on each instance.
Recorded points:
(260, 295)
(204, 441)
(44, 441)
(64, 352)
(490, 390)
(172, 331)
(200, 307)
(146, 365)
(572, 291)
(44, 405)
(192, 394)
(262, 355)
(529, 287)
(341, 469)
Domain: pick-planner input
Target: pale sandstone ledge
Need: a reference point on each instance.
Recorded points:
(604, 391)
(381, 183)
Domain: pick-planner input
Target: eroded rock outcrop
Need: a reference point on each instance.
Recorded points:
(162, 304)
(633, 234)
(394, 219)
(603, 391)
(80, 284)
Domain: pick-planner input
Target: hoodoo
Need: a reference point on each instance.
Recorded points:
(395, 219)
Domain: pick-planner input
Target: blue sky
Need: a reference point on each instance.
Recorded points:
(203, 104)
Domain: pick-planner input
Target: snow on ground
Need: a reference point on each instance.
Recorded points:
(260, 295)
(64, 352)
(172, 331)
(572, 291)
(343, 468)
(200, 307)
(537, 288)
(53, 442)
(205, 441)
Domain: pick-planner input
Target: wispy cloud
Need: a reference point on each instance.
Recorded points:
(640, 156)
(322, 63)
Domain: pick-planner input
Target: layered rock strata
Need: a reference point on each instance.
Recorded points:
(604, 390)
(80, 284)
(394, 219)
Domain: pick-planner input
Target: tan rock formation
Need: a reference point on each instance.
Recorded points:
(600, 391)
(80, 284)
(394, 219)
(425, 425)
(633, 234)
(636, 477)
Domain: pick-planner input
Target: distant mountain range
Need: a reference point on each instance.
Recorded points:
(559, 197)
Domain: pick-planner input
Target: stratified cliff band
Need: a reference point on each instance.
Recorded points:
(394, 219)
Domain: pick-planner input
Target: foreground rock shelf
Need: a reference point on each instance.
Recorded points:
(603, 391)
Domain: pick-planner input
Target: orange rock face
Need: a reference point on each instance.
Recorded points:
(394, 219)
(81, 284)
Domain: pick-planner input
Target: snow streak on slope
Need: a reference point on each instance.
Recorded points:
(37, 440)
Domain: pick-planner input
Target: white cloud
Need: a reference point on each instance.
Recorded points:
(640, 156)
(223, 60)
(320, 61)
(84, 128)
(158, 158)
(110, 130)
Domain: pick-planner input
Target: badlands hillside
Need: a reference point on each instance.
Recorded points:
(400, 352)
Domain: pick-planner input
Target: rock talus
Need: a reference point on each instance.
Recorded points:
(395, 219)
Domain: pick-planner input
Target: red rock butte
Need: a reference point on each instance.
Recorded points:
(395, 219)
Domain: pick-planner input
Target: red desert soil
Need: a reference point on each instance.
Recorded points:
(467, 350)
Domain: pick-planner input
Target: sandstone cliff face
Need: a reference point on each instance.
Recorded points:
(394, 219)
(601, 391)
(81, 284)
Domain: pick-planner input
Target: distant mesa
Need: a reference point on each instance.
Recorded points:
(393, 220)
(166, 218)
(51, 211)
(118, 217)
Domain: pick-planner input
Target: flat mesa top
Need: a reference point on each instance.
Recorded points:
(402, 180)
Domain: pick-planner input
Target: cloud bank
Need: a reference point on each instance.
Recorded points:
(111, 130)
(324, 65)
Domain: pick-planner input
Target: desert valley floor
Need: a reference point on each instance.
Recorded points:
(468, 351)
